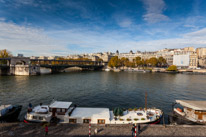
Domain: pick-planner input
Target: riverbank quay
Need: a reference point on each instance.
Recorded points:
(164, 70)
(82, 130)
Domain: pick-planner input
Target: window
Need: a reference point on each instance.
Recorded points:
(72, 121)
(34, 117)
(86, 120)
(40, 118)
(101, 121)
(58, 110)
(63, 110)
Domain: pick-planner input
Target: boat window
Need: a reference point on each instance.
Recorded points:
(101, 121)
(150, 114)
(72, 121)
(139, 114)
(58, 110)
(40, 118)
(34, 117)
(63, 110)
(86, 120)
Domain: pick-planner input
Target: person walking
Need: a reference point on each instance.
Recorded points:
(139, 130)
(133, 130)
(95, 131)
(46, 130)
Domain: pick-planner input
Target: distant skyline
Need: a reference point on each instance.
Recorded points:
(62, 27)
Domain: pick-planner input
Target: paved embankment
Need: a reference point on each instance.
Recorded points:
(73, 130)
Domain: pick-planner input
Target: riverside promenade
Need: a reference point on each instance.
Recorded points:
(77, 130)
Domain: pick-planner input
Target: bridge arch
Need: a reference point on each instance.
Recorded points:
(20, 62)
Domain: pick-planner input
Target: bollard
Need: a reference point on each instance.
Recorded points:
(90, 128)
(135, 132)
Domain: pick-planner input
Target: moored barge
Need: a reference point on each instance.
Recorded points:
(193, 112)
(9, 113)
(65, 112)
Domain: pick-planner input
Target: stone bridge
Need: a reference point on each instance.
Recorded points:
(27, 66)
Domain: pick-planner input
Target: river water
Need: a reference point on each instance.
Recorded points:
(103, 89)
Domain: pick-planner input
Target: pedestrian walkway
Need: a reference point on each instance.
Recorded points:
(74, 130)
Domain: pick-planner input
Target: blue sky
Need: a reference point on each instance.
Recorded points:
(62, 27)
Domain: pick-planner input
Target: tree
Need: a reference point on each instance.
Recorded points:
(153, 61)
(172, 68)
(114, 62)
(124, 61)
(145, 62)
(162, 61)
(4, 54)
(138, 61)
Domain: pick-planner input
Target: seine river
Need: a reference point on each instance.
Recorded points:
(103, 89)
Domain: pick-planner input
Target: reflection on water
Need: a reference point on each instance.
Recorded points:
(103, 89)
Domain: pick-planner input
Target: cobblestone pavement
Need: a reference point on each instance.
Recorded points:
(77, 130)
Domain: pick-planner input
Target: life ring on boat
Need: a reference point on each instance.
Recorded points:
(179, 109)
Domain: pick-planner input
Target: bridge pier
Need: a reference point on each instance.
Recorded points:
(4, 71)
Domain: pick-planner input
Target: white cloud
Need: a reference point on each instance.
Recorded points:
(195, 39)
(27, 40)
(123, 20)
(80, 7)
(25, 2)
(154, 11)
(35, 41)
(2, 1)
(2, 19)
(112, 40)
(197, 34)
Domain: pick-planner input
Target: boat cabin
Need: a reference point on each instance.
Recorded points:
(59, 108)
(39, 113)
(193, 110)
(85, 115)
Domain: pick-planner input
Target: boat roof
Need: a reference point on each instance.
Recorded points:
(90, 112)
(5, 106)
(196, 105)
(4, 109)
(60, 104)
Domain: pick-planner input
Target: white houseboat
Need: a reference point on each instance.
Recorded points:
(193, 112)
(39, 113)
(67, 113)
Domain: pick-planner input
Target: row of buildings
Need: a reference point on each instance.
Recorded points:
(187, 57)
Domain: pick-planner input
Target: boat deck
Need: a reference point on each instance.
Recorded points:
(139, 116)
